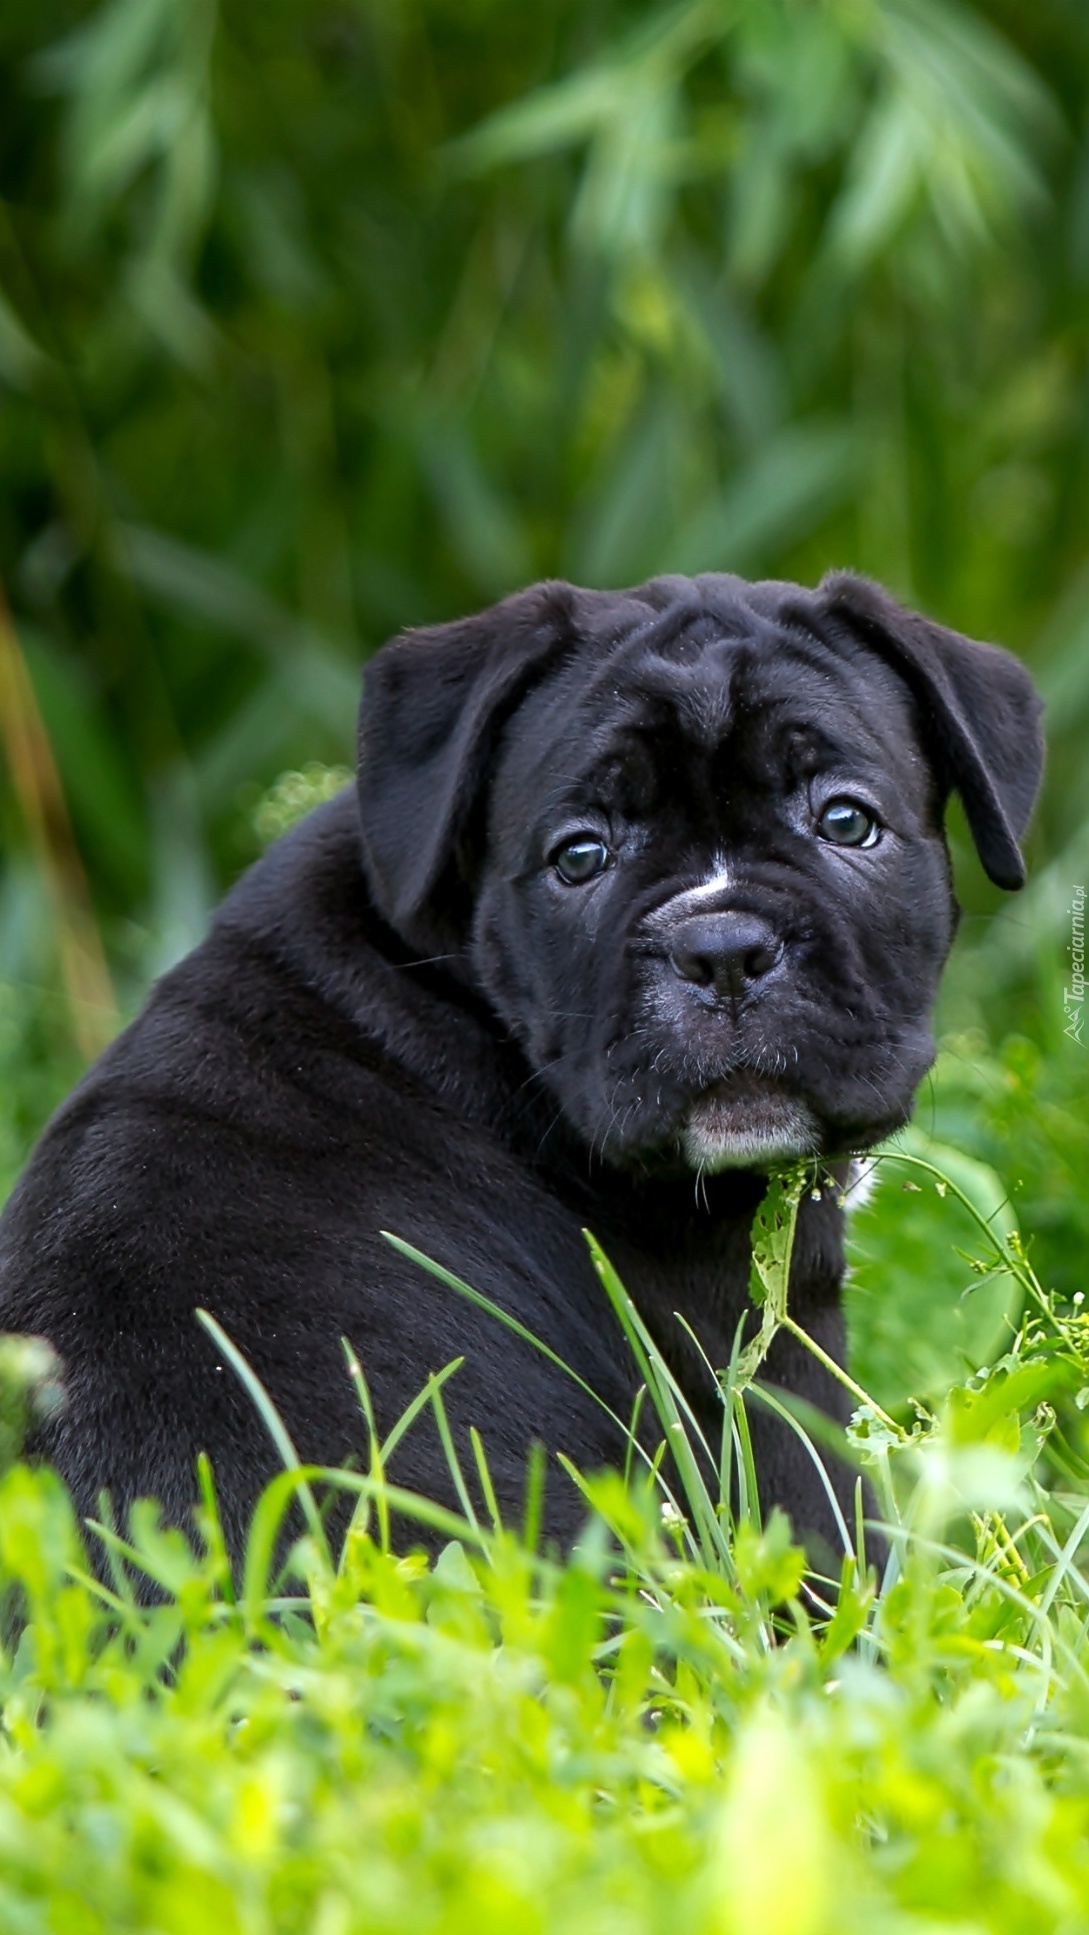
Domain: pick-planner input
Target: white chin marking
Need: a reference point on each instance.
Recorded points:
(748, 1131)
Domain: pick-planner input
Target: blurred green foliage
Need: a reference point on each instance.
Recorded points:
(327, 316)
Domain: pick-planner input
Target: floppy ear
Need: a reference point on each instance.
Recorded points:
(980, 712)
(434, 701)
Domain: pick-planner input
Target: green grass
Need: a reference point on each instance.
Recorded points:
(672, 1729)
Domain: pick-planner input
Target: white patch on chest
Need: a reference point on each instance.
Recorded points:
(859, 1182)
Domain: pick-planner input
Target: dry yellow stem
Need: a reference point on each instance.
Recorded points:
(37, 786)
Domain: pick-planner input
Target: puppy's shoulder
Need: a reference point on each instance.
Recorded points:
(285, 1055)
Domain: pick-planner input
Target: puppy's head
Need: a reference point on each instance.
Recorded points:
(687, 840)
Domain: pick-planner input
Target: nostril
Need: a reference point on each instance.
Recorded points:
(759, 961)
(694, 967)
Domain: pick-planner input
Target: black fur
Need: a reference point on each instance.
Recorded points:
(403, 1019)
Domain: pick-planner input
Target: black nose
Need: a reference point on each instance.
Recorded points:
(729, 953)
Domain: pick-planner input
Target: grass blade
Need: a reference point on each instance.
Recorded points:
(273, 1423)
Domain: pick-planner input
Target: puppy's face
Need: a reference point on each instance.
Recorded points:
(687, 841)
(715, 898)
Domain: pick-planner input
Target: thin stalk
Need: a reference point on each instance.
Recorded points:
(1021, 1271)
(40, 795)
(843, 1377)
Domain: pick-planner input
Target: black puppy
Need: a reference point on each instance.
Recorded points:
(640, 892)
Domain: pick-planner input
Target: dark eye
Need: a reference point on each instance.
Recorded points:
(578, 861)
(847, 824)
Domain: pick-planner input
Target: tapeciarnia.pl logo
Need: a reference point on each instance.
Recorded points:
(1074, 995)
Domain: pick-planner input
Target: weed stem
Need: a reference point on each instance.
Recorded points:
(840, 1374)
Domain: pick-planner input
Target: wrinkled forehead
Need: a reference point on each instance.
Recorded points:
(716, 673)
